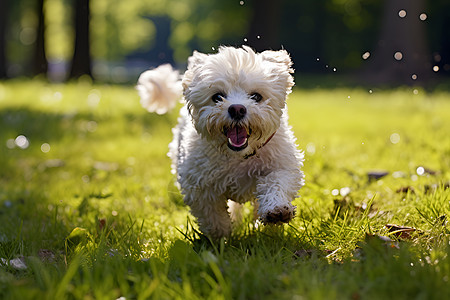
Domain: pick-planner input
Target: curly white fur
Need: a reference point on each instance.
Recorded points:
(219, 156)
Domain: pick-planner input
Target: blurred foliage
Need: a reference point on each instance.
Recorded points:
(336, 31)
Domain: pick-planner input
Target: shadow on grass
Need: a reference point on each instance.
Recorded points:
(53, 126)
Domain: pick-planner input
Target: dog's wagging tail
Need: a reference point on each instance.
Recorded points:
(232, 143)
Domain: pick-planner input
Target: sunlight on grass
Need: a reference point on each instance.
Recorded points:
(89, 205)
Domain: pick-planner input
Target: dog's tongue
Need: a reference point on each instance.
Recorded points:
(237, 136)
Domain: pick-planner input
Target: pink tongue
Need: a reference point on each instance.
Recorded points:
(237, 136)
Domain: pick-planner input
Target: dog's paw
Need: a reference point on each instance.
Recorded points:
(278, 215)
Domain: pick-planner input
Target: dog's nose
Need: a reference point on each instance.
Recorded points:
(237, 111)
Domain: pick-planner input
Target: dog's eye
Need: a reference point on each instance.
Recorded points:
(256, 96)
(218, 97)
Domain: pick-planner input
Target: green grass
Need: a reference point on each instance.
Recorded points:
(91, 209)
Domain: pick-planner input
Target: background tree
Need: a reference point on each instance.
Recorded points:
(81, 61)
(3, 10)
(126, 37)
(401, 55)
(264, 28)
(40, 63)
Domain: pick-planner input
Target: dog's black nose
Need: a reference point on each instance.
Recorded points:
(237, 111)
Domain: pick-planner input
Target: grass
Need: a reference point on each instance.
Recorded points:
(89, 206)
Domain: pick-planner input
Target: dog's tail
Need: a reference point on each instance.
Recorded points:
(159, 89)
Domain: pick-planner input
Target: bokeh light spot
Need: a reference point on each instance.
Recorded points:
(394, 138)
(398, 55)
(22, 142)
(420, 171)
(311, 148)
(45, 147)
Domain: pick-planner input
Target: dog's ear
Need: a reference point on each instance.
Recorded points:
(282, 67)
(194, 61)
(279, 57)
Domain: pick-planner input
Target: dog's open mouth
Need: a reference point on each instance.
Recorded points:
(237, 137)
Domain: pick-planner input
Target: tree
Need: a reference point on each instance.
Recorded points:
(40, 63)
(401, 55)
(3, 7)
(81, 61)
(264, 32)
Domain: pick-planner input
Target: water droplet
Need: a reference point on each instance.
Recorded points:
(402, 13)
(398, 55)
(366, 55)
(420, 171)
(241, 2)
(311, 148)
(213, 48)
(22, 142)
(436, 68)
(415, 91)
(334, 69)
(335, 192)
(394, 138)
(348, 97)
(258, 37)
(370, 91)
(413, 76)
(423, 16)
(317, 59)
(45, 147)
(245, 40)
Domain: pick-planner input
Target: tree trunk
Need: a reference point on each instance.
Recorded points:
(81, 61)
(40, 63)
(3, 8)
(401, 55)
(264, 31)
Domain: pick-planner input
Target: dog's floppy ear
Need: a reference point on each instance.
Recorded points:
(280, 57)
(282, 66)
(194, 61)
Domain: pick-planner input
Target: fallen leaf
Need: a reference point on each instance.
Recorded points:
(101, 224)
(46, 255)
(405, 190)
(398, 231)
(376, 175)
(424, 170)
(303, 253)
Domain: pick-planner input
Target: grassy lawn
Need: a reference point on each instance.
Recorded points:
(89, 210)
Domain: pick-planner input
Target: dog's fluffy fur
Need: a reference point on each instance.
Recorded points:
(232, 141)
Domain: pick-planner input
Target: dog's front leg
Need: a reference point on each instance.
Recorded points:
(275, 192)
(211, 213)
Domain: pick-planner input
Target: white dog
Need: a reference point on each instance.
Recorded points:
(232, 141)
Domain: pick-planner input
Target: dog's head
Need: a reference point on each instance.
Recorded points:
(236, 97)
